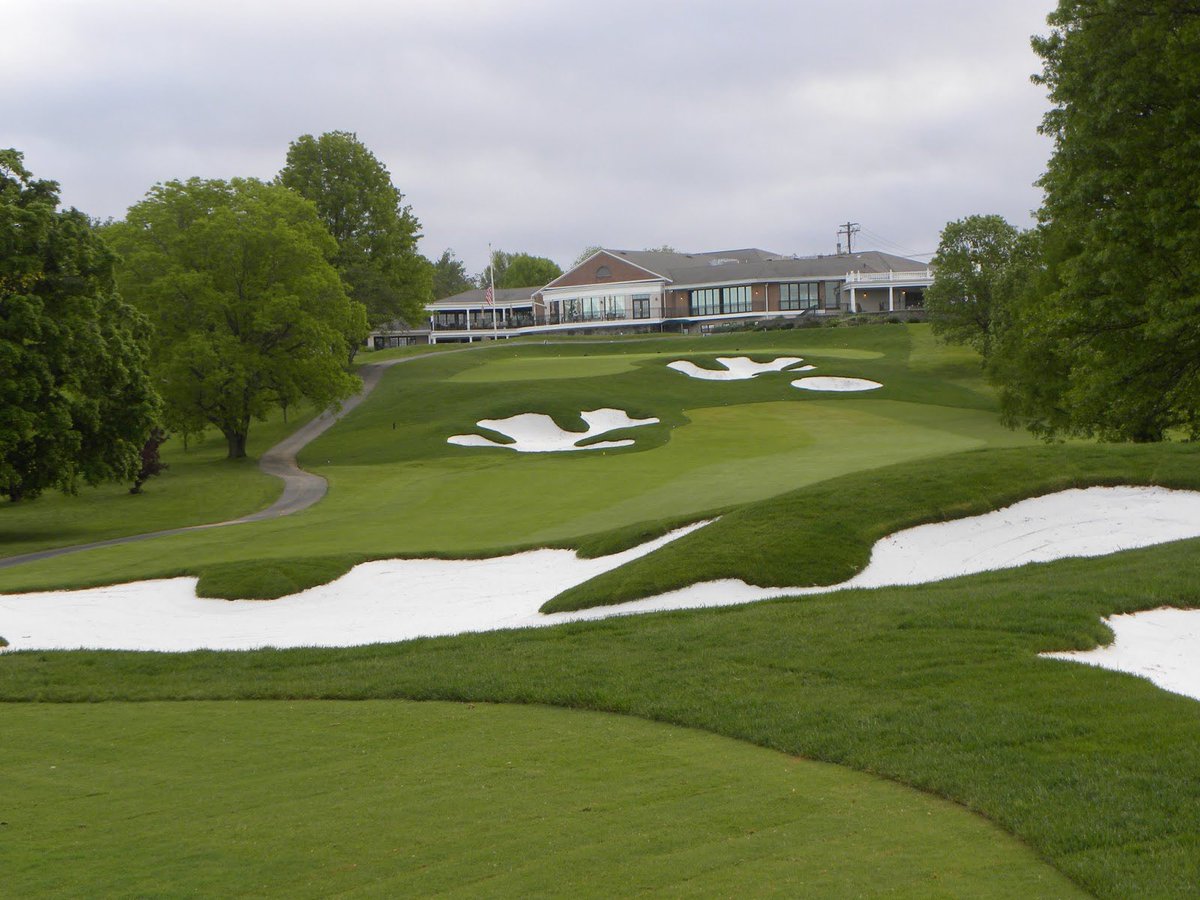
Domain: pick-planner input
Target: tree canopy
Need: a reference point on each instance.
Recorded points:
(970, 268)
(249, 312)
(376, 232)
(450, 276)
(511, 270)
(524, 270)
(1119, 312)
(76, 402)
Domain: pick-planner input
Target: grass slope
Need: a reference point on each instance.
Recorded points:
(823, 534)
(938, 687)
(398, 489)
(200, 486)
(397, 799)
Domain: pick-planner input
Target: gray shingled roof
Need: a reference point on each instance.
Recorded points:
(684, 269)
(474, 297)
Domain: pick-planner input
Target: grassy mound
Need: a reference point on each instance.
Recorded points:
(395, 799)
(823, 534)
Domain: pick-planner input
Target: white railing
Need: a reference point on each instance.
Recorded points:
(889, 277)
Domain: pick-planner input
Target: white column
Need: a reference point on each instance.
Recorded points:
(853, 305)
(891, 300)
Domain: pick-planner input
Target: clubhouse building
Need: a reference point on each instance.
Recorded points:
(658, 290)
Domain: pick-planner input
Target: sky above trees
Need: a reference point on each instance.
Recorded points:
(548, 126)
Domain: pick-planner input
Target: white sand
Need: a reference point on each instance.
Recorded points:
(538, 433)
(397, 600)
(377, 602)
(834, 383)
(737, 368)
(1162, 645)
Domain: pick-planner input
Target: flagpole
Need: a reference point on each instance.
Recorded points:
(492, 280)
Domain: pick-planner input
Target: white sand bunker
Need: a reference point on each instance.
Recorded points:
(538, 433)
(1162, 645)
(737, 368)
(835, 383)
(397, 600)
(376, 602)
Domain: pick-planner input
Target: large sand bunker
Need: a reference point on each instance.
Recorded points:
(737, 368)
(538, 433)
(396, 600)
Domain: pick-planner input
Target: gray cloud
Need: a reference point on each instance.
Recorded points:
(547, 126)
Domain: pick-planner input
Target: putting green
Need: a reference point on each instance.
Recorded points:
(570, 363)
(393, 798)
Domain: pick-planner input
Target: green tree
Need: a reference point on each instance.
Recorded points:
(76, 402)
(970, 266)
(247, 308)
(376, 232)
(524, 270)
(585, 253)
(449, 276)
(1122, 307)
(496, 270)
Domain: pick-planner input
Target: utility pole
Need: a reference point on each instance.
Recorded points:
(849, 230)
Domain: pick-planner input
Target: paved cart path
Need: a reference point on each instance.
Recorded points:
(301, 489)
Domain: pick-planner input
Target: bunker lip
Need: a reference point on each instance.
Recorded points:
(737, 368)
(1162, 645)
(539, 433)
(395, 600)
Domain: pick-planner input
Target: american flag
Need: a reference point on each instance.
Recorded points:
(489, 296)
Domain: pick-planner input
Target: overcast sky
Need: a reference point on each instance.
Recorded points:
(545, 126)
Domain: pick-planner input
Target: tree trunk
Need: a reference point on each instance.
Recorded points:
(237, 444)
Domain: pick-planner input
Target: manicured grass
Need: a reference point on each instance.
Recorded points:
(400, 799)
(397, 488)
(938, 687)
(200, 486)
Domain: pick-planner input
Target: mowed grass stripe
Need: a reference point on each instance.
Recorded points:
(391, 798)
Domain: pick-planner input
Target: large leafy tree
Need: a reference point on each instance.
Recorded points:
(970, 267)
(376, 232)
(249, 312)
(518, 270)
(524, 270)
(450, 276)
(1121, 311)
(76, 402)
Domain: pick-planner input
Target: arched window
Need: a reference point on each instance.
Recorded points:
(603, 272)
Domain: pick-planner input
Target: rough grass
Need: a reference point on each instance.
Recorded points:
(398, 799)
(939, 687)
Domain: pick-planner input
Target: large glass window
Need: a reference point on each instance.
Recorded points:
(714, 301)
(799, 296)
(736, 300)
(706, 302)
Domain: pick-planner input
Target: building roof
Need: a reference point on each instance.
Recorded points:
(474, 297)
(722, 266)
